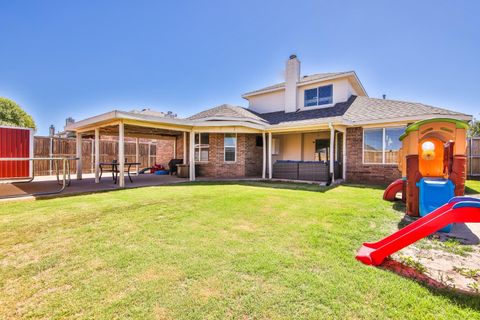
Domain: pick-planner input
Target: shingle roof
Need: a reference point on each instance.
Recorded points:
(337, 110)
(357, 109)
(360, 109)
(226, 111)
(304, 79)
(367, 109)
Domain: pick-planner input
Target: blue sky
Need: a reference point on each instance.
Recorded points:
(81, 58)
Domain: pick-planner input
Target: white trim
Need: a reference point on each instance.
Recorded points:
(137, 153)
(270, 165)
(264, 156)
(224, 147)
(332, 154)
(192, 156)
(97, 155)
(79, 147)
(304, 83)
(184, 148)
(121, 155)
(31, 151)
(200, 148)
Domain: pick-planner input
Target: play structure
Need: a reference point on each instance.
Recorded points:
(432, 160)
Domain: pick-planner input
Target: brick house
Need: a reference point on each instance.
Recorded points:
(320, 127)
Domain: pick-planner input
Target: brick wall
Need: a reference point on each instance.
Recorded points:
(357, 172)
(165, 151)
(248, 164)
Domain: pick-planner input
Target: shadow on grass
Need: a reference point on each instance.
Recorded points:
(463, 298)
(469, 190)
(313, 187)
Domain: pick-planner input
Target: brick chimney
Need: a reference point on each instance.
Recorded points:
(292, 76)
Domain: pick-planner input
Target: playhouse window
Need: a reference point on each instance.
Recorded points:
(381, 145)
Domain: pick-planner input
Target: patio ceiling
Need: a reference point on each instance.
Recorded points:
(134, 131)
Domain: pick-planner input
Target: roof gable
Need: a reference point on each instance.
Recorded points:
(227, 112)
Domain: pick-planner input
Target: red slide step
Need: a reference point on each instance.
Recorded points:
(392, 190)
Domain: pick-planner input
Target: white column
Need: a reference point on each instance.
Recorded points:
(137, 153)
(270, 165)
(192, 156)
(97, 155)
(79, 156)
(264, 165)
(175, 148)
(92, 157)
(121, 155)
(184, 148)
(149, 154)
(50, 154)
(31, 153)
(332, 154)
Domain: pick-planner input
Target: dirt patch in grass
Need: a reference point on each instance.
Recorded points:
(447, 262)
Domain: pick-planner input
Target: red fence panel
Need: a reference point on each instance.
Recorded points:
(14, 143)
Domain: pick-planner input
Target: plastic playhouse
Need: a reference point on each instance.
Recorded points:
(433, 161)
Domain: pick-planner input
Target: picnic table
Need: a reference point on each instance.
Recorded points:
(114, 169)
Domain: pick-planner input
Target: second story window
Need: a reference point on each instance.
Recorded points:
(318, 96)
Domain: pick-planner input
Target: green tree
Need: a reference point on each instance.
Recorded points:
(474, 128)
(12, 114)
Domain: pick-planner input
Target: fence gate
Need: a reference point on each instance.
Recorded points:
(473, 157)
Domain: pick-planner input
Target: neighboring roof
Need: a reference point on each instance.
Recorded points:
(305, 80)
(227, 112)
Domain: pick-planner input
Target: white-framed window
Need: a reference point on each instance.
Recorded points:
(318, 96)
(381, 145)
(230, 147)
(275, 146)
(202, 147)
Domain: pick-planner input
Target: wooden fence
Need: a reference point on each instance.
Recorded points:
(55, 147)
(473, 169)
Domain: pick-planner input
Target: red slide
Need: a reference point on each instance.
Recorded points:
(457, 210)
(391, 191)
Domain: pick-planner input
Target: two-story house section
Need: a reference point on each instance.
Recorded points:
(321, 127)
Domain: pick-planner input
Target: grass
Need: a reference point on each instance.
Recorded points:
(209, 251)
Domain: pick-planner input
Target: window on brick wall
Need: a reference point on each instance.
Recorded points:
(202, 146)
(230, 147)
(381, 145)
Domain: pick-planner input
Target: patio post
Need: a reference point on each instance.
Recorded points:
(270, 166)
(184, 147)
(264, 165)
(121, 155)
(332, 154)
(137, 154)
(175, 148)
(79, 155)
(192, 156)
(97, 155)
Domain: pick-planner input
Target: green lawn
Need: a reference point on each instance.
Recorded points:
(209, 251)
